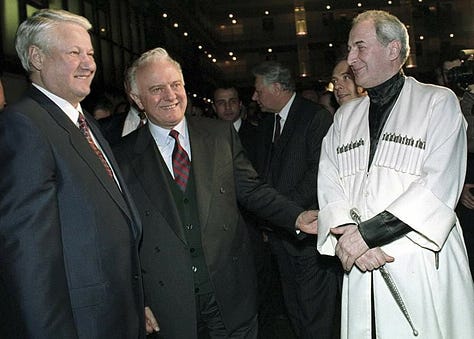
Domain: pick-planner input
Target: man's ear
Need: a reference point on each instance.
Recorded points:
(276, 88)
(36, 57)
(137, 101)
(394, 47)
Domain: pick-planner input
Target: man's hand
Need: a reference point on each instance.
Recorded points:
(373, 259)
(151, 324)
(307, 222)
(467, 199)
(350, 245)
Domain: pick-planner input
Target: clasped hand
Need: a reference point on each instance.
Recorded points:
(351, 249)
(307, 222)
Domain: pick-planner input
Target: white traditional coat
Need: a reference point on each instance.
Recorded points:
(417, 174)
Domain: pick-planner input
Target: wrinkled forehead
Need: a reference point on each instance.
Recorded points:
(362, 32)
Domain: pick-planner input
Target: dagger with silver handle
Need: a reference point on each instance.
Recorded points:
(387, 277)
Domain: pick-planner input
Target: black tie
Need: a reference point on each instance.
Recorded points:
(276, 136)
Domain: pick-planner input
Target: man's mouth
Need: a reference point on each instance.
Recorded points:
(169, 107)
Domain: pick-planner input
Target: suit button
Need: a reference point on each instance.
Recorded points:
(222, 190)
(161, 283)
(196, 290)
(235, 258)
(194, 268)
(189, 227)
(185, 200)
(157, 249)
(192, 250)
(225, 227)
(135, 277)
(147, 213)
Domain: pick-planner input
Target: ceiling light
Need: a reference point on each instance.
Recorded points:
(234, 21)
(165, 15)
(328, 6)
(359, 4)
(231, 53)
(176, 25)
(267, 12)
(231, 15)
(270, 50)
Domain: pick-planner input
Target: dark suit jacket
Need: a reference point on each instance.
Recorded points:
(112, 127)
(68, 236)
(291, 165)
(223, 177)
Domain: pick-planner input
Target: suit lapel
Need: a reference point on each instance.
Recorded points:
(149, 165)
(80, 144)
(203, 154)
(288, 128)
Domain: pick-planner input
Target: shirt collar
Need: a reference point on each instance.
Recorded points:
(71, 111)
(162, 137)
(237, 124)
(286, 109)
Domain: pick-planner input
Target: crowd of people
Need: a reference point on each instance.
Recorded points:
(160, 222)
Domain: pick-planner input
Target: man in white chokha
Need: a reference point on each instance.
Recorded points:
(398, 156)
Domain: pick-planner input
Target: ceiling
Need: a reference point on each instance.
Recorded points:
(254, 32)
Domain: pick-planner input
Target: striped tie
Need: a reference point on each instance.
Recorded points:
(84, 128)
(181, 163)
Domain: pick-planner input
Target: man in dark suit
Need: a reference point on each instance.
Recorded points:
(187, 176)
(287, 156)
(68, 228)
(228, 106)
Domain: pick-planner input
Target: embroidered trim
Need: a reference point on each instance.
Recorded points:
(397, 138)
(349, 146)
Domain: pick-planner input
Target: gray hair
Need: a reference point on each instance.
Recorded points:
(34, 31)
(387, 28)
(156, 54)
(272, 72)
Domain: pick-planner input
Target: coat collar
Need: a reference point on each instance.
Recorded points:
(149, 165)
(80, 144)
(153, 175)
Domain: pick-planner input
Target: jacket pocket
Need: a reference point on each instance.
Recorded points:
(352, 158)
(401, 154)
(87, 296)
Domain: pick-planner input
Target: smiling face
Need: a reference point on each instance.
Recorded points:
(371, 62)
(345, 88)
(67, 68)
(161, 92)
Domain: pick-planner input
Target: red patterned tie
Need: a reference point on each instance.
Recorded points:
(181, 163)
(84, 128)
